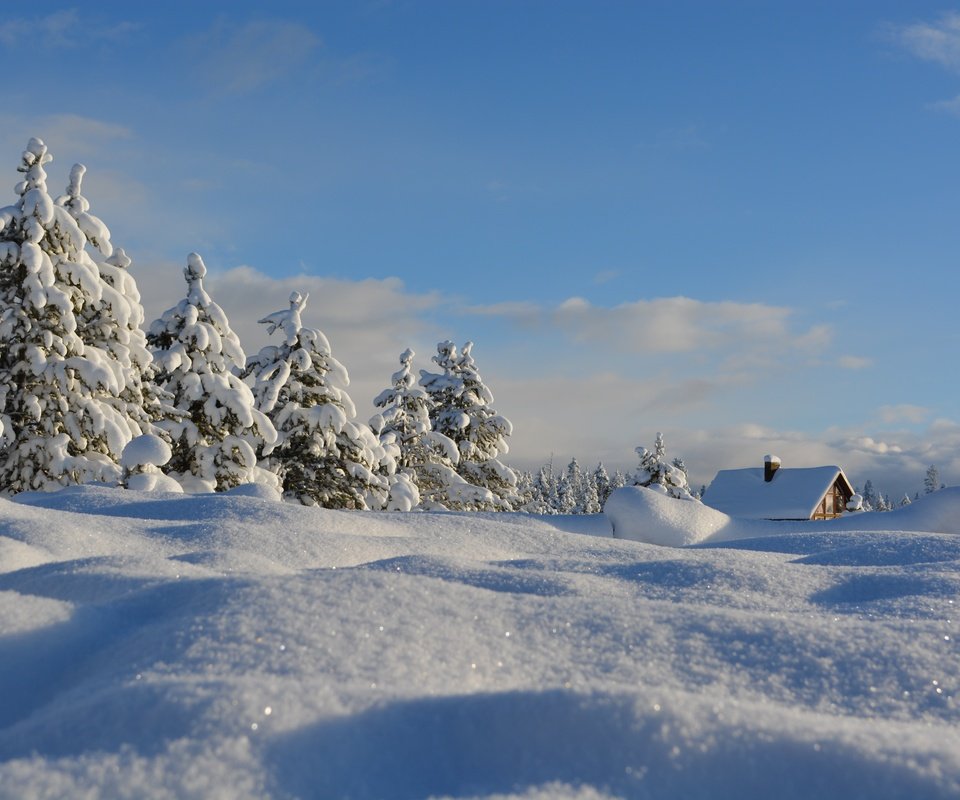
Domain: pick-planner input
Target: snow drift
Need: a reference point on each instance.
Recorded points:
(229, 646)
(645, 515)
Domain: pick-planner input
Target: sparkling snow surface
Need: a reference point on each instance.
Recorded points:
(227, 646)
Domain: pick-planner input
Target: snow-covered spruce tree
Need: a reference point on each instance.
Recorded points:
(429, 457)
(601, 480)
(542, 489)
(115, 325)
(323, 457)
(65, 416)
(462, 411)
(197, 360)
(931, 481)
(655, 473)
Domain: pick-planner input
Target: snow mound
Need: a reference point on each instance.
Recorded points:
(645, 515)
(648, 516)
(154, 482)
(145, 450)
(258, 490)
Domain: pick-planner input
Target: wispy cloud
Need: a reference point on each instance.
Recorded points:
(245, 58)
(947, 106)
(669, 325)
(65, 28)
(80, 135)
(903, 413)
(53, 30)
(606, 275)
(854, 362)
(938, 41)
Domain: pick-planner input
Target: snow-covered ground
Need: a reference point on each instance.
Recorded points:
(230, 646)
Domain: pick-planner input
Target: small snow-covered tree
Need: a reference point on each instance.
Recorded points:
(905, 500)
(65, 416)
(323, 456)
(655, 473)
(219, 429)
(931, 482)
(429, 457)
(462, 411)
(601, 480)
(542, 488)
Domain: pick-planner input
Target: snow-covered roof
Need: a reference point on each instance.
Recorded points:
(793, 493)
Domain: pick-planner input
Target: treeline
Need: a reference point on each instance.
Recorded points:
(875, 500)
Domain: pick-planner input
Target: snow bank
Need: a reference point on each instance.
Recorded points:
(224, 646)
(647, 516)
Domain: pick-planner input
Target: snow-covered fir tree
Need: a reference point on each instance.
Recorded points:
(535, 498)
(601, 480)
(655, 473)
(931, 481)
(429, 457)
(591, 497)
(323, 455)
(462, 411)
(64, 401)
(115, 325)
(198, 358)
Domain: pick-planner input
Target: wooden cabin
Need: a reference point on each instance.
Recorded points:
(777, 493)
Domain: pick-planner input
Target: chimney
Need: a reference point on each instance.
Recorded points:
(770, 465)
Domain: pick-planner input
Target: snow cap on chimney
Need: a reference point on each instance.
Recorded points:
(770, 465)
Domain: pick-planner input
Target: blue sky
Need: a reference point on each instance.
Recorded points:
(736, 223)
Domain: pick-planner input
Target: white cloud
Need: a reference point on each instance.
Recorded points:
(58, 29)
(606, 275)
(61, 29)
(938, 41)
(948, 106)
(903, 413)
(671, 325)
(69, 136)
(241, 59)
(854, 362)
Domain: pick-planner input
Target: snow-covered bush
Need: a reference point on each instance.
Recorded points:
(322, 455)
(68, 390)
(197, 357)
(462, 411)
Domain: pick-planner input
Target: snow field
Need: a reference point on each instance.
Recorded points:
(228, 646)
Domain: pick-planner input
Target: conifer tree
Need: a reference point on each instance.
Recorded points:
(601, 480)
(115, 325)
(462, 411)
(323, 456)
(429, 457)
(219, 429)
(931, 482)
(60, 396)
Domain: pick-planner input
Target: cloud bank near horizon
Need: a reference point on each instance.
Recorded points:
(595, 414)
